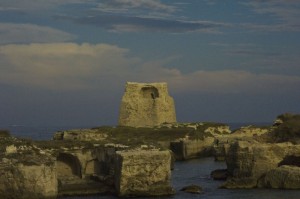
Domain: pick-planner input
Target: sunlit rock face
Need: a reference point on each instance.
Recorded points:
(143, 173)
(146, 104)
(26, 171)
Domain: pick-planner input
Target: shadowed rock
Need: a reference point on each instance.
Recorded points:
(194, 189)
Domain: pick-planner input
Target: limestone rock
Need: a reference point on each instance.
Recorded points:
(187, 149)
(26, 171)
(28, 181)
(248, 162)
(80, 135)
(146, 104)
(195, 189)
(143, 173)
(247, 133)
(284, 177)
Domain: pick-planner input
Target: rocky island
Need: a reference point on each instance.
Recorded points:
(136, 157)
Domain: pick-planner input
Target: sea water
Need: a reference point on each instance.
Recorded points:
(196, 171)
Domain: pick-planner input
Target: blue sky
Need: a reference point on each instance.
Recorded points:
(66, 62)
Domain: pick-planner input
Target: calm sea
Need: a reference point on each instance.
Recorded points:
(195, 171)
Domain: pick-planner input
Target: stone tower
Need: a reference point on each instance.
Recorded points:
(146, 104)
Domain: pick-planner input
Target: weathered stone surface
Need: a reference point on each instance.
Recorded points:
(146, 104)
(195, 189)
(248, 162)
(28, 181)
(187, 149)
(247, 133)
(186, 140)
(284, 177)
(80, 134)
(26, 171)
(143, 173)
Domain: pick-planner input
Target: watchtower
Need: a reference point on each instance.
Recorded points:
(146, 104)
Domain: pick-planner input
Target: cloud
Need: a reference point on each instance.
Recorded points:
(245, 49)
(285, 15)
(142, 16)
(30, 5)
(126, 5)
(231, 81)
(70, 66)
(118, 23)
(61, 66)
(27, 33)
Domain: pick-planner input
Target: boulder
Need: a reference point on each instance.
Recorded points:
(143, 173)
(195, 189)
(26, 171)
(247, 133)
(283, 177)
(249, 161)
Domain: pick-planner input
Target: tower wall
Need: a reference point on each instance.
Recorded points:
(146, 104)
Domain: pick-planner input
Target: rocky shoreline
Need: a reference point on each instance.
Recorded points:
(128, 161)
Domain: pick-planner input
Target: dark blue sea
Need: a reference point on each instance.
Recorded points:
(195, 171)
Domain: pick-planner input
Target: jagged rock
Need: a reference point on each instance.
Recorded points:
(248, 133)
(284, 177)
(187, 149)
(247, 162)
(146, 104)
(195, 189)
(218, 130)
(26, 171)
(80, 135)
(143, 173)
(28, 181)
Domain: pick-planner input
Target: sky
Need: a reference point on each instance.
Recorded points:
(66, 62)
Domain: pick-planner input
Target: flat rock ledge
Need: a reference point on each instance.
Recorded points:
(194, 189)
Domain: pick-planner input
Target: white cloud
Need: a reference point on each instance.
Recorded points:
(29, 5)
(27, 33)
(69, 66)
(284, 13)
(61, 65)
(125, 5)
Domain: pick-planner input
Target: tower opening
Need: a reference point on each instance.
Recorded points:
(150, 92)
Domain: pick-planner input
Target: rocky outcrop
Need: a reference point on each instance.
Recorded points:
(186, 140)
(47, 169)
(248, 162)
(143, 173)
(146, 104)
(248, 133)
(187, 149)
(80, 135)
(283, 177)
(26, 171)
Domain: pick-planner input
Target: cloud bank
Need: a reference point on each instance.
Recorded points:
(28, 33)
(70, 66)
